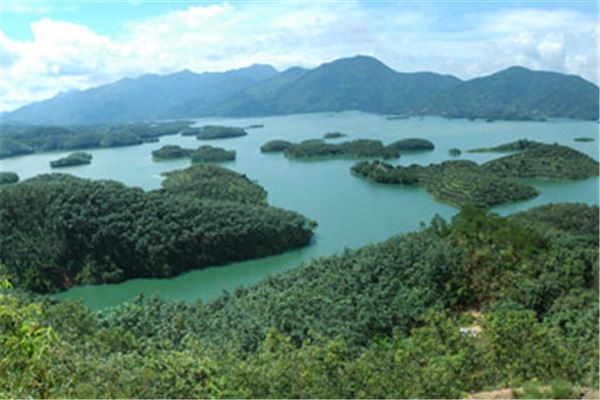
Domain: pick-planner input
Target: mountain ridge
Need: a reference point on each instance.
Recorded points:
(355, 83)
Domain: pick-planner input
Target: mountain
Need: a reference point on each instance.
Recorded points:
(148, 97)
(520, 93)
(357, 83)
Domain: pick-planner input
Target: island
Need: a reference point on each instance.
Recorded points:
(333, 135)
(275, 146)
(584, 139)
(255, 126)
(550, 161)
(212, 154)
(209, 181)
(411, 144)
(170, 151)
(7, 177)
(16, 140)
(73, 159)
(212, 132)
(359, 148)
(110, 232)
(518, 145)
(397, 117)
(465, 183)
(454, 152)
(190, 131)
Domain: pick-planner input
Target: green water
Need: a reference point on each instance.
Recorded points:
(351, 212)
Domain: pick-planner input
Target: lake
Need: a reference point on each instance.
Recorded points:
(351, 212)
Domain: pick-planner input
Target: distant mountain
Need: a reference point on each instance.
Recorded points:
(148, 97)
(519, 93)
(356, 83)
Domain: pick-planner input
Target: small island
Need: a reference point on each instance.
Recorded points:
(411, 144)
(458, 183)
(465, 183)
(7, 177)
(169, 152)
(212, 154)
(454, 152)
(318, 148)
(396, 117)
(212, 182)
(518, 145)
(584, 139)
(73, 159)
(275, 146)
(212, 132)
(255, 126)
(333, 135)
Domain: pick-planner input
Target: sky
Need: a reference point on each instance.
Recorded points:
(48, 47)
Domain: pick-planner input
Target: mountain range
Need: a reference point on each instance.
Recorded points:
(357, 83)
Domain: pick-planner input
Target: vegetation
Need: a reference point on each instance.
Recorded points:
(275, 146)
(172, 151)
(584, 139)
(545, 161)
(7, 177)
(464, 183)
(454, 152)
(212, 154)
(77, 158)
(519, 145)
(79, 231)
(208, 181)
(353, 149)
(211, 132)
(411, 144)
(19, 140)
(333, 135)
(459, 183)
(477, 304)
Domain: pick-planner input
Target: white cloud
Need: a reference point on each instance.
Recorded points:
(63, 56)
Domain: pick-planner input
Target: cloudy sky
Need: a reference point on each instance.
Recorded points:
(53, 46)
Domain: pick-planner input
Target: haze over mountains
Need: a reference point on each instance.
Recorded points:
(357, 83)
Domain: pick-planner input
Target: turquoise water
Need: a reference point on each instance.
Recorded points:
(351, 212)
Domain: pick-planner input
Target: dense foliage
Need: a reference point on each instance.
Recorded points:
(275, 146)
(19, 140)
(212, 154)
(7, 177)
(546, 161)
(78, 231)
(211, 132)
(477, 304)
(464, 183)
(352, 149)
(457, 182)
(76, 158)
(518, 145)
(171, 151)
(411, 144)
(207, 181)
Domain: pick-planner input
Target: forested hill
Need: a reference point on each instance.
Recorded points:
(357, 83)
(477, 304)
(149, 97)
(520, 93)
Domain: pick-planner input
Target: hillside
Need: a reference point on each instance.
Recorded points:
(356, 83)
(147, 98)
(390, 320)
(519, 93)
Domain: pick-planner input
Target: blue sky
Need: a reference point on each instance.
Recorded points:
(53, 46)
